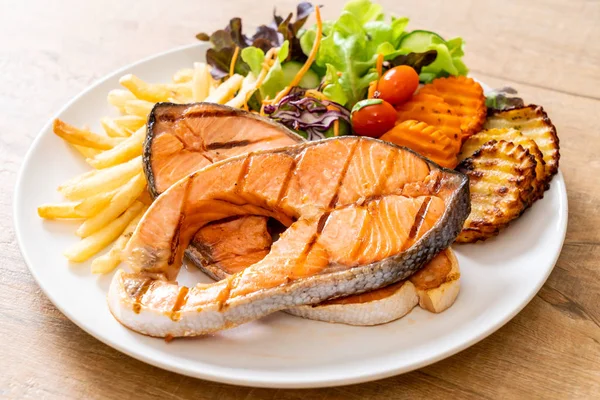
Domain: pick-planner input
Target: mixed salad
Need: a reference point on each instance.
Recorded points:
(336, 77)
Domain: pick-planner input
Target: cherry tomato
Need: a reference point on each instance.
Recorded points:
(373, 117)
(398, 84)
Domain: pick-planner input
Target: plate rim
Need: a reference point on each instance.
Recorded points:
(254, 380)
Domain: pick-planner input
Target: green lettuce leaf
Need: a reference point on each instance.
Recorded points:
(274, 81)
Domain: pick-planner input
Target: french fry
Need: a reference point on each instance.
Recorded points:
(201, 82)
(77, 179)
(226, 90)
(87, 152)
(103, 180)
(60, 211)
(124, 151)
(124, 198)
(141, 108)
(86, 248)
(82, 137)
(155, 92)
(183, 75)
(109, 261)
(112, 129)
(248, 87)
(118, 98)
(94, 204)
(130, 122)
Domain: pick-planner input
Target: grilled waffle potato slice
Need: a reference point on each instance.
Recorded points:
(434, 111)
(477, 141)
(501, 175)
(533, 122)
(465, 97)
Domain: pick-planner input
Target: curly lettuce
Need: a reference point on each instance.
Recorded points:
(351, 44)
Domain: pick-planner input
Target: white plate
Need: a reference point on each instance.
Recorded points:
(499, 277)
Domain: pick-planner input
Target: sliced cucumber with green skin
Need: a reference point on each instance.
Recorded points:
(419, 41)
(310, 80)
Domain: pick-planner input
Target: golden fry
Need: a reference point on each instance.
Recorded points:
(109, 261)
(81, 137)
(226, 90)
(112, 129)
(118, 98)
(153, 92)
(248, 87)
(86, 248)
(103, 180)
(60, 211)
(131, 123)
(141, 108)
(183, 75)
(201, 82)
(94, 204)
(87, 152)
(124, 198)
(124, 151)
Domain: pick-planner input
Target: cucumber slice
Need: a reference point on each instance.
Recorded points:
(419, 41)
(310, 80)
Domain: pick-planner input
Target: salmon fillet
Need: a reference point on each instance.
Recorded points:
(402, 218)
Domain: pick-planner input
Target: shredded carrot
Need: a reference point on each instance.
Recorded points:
(236, 52)
(379, 71)
(336, 127)
(379, 64)
(309, 61)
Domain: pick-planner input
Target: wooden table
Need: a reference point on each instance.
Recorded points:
(548, 49)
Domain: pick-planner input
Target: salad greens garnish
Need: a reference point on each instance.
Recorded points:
(274, 34)
(345, 61)
(503, 98)
(352, 43)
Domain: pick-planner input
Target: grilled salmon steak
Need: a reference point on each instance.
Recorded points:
(226, 247)
(402, 208)
(184, 138)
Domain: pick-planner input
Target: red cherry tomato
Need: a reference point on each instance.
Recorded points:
(373, 117)
(398, 84)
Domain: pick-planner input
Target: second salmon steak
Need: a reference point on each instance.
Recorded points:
(361, 214)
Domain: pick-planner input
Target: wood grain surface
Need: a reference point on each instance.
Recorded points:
(548, 49)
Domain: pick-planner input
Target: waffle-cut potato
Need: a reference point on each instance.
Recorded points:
(434, 111)
(424, 139)
(501, 175)
(533, 122)
(477, 141)
(466, 98)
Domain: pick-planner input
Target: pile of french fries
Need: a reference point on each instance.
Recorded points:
(112, 197)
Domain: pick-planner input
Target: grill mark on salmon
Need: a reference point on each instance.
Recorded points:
(325, 271)
(176, 236)
(419, 218)
(139, 293)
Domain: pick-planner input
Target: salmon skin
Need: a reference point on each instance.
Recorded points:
(402, 208)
